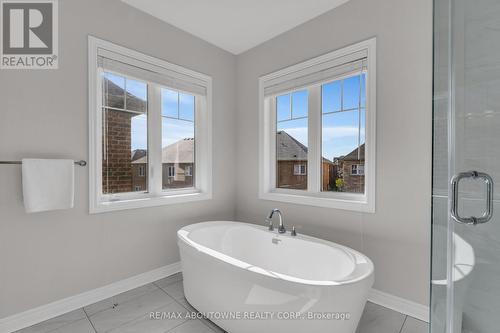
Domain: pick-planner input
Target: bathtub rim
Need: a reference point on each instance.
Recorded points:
(360, 274)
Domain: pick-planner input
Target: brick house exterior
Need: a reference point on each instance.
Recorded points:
(139, 173)
(116, 172)
(353, 182)
(291, 171)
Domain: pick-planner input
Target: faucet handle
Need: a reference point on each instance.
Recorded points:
(293, 232)
(270, 223)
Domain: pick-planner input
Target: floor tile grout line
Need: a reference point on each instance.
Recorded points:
(63, 325)
(166, 292)
(115, 304)
(90, 321)
(173, 328)
(139, 317)
(206, 324)
(403, 326)
(190, 311)
(186, 308)
(156, 284)
(127, 301)
(202, 321)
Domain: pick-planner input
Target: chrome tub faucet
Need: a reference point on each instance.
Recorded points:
(281, 227)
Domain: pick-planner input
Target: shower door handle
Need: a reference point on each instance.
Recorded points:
(472, 220)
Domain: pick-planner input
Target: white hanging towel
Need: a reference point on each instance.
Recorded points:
(48, 184)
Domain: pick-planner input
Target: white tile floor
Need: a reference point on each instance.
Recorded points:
(129, 313)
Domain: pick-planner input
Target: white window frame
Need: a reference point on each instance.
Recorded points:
(190, 173)
(142, 171)
(313, 196)
(358, 168)
(171, 174)
(155, 195)
(300, 166)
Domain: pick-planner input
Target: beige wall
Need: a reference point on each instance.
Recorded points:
(48, 256)
(397, 236)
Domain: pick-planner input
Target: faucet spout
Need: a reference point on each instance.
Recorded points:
(281, 227)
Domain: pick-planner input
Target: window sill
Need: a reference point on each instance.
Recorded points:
(149, 201)
(353, 202)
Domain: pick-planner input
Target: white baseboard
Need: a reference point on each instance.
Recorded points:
(57, 308)
(399, 304)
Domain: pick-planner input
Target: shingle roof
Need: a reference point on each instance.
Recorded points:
(290, 149)
(181, 151)
(115, 98)
(353, 155)
(138, 153)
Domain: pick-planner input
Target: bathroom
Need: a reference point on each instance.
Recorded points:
(234, 166)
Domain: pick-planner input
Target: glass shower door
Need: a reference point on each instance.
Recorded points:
(466, 166)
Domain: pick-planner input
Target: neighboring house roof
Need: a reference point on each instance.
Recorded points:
(289, 149)
(115, 98)
(353, 155)
(181, 151)
(138, 153)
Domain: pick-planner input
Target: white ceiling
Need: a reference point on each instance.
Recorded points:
(235, 25)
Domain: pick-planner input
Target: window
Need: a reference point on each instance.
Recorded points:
(189, 170)
(343, 113)
(299, 169)
(357, 170)
(291, 139)
(317, 123)
(171, 171)
(142, 171)
(124, 130)
(144, 114)
(178, 141)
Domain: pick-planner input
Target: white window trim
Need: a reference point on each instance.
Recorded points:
(142, 171)
(98, 202)
(300, 173)
(357, 170)
(171, 167)
(313, 196)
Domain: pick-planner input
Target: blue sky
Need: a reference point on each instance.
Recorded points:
(340, 129)
(174, 105)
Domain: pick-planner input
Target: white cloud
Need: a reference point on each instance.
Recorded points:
(139, 132)
(174, 131)
(299, 133)
(329, 133)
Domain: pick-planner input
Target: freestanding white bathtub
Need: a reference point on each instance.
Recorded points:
(247, 279)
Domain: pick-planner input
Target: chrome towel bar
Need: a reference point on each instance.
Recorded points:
(81, 163)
